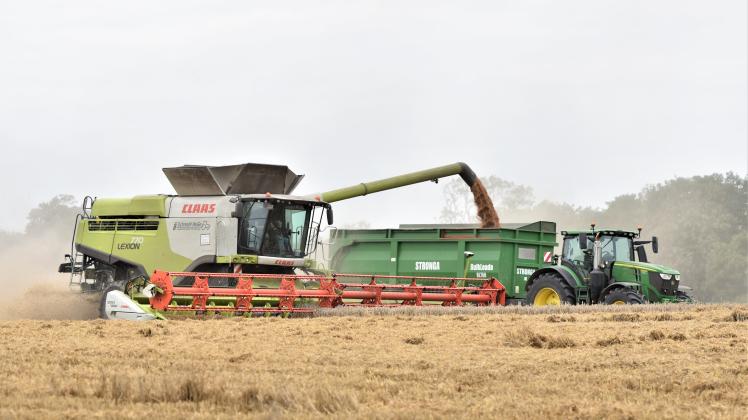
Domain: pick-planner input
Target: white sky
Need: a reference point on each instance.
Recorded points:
(581, 100)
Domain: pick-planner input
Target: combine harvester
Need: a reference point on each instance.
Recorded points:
(234, 241)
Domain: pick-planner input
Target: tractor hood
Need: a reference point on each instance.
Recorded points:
(657, 268)
(246, 178)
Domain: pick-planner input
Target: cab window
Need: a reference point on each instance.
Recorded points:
(274, 229)
(616, 248)
(254, 218)
(571, 250)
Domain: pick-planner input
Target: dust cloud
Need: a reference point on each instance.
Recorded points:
(486, 211)
(32, 288)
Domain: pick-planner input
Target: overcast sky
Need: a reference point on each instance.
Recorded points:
(581, 100)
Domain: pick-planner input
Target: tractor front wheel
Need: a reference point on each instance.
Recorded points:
(550, 289)
(624, 296)
(683, 297)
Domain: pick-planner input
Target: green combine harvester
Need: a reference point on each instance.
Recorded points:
(239, 226)
(234, 241)
(595, 266)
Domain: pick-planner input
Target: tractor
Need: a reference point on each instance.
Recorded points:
(606, 266)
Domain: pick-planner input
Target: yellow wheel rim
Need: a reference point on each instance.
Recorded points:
(547, 296)
(618, 302)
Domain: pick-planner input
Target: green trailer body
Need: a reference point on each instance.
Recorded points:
(510, 254)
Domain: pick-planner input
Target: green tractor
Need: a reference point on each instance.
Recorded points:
(605, 266)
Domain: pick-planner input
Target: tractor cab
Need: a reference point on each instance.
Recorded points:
(615, 245)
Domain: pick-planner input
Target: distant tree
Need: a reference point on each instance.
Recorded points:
(566, 216)
(702, 225)
(459, 205)
(55, 216)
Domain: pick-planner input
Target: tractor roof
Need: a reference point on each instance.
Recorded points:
(610, 232)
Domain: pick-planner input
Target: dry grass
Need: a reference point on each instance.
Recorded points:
(673, 361)
(627, 313)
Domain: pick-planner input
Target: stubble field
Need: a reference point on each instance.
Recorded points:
(687, 361)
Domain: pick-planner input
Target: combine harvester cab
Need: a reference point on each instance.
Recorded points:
(234, 241)
(223, 220)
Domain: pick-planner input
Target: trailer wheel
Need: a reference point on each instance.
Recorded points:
(624, 296)
(550, 289)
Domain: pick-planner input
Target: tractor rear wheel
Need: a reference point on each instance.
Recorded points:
(624, 296)
(550, 289)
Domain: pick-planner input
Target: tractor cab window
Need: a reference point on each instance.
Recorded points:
(275, 229)
(616, 248)
(572, 252)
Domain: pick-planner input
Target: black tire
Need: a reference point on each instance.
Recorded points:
(624, 296)
(555, 282)
(684, 297)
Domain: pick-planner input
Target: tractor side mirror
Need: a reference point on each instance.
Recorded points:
(655, 245)
(329, 215)
(582, 241)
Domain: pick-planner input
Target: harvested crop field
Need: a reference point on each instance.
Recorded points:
(686, 361)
